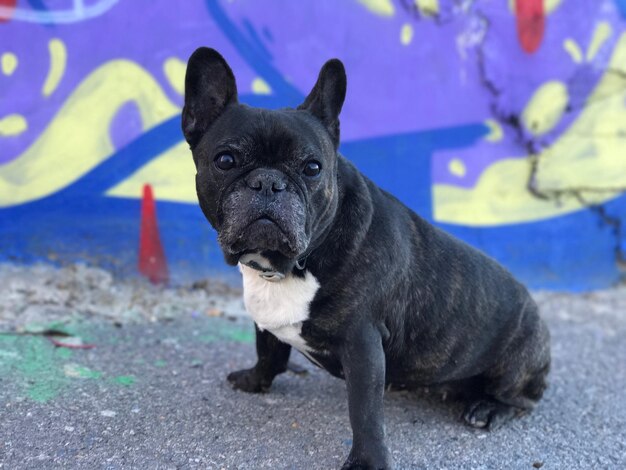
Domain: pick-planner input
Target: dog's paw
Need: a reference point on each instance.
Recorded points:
(380, 461)
(361, 466)
(488, 413)
(248, 380)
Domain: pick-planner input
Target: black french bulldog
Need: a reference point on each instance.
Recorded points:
(341, 270)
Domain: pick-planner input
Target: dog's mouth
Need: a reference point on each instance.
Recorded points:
(262, 234)
(263, 230)
(265, 221)
(250, 224)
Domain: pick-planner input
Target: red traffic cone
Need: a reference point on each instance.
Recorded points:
(9, 5)
(531, 23)
(152, 262)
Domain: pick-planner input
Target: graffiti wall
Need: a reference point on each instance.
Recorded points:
(502, 121)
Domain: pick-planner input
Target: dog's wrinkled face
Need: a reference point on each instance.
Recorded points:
(263, 179)
(266, 180)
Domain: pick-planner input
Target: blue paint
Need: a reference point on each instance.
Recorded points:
(616, 210)
(621, 6)
(571, 252)
(256, 41)
(268, 34)
(38, 5)
(284, 93)
(105, 231)
(401, 164)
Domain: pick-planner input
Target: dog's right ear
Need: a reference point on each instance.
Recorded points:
(209, 87)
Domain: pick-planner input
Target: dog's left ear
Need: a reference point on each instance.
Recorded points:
(209, 87)
(326, 98)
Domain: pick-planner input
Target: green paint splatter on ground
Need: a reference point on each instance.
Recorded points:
(241, 336)
(125, 380)
(226, 332)
(80, 372)
(37, 368)
(31, 366)
(64, 353)
(33, 363)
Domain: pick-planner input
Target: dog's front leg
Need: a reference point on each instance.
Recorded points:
(272, 355)
(363, 362)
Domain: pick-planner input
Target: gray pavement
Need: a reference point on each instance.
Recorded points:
(153, 395)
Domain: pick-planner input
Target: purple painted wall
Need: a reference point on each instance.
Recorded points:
(502, 121)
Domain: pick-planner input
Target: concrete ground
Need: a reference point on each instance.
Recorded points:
(98, 373)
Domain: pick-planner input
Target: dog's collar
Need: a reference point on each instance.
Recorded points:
(301, 263)
(275, 276)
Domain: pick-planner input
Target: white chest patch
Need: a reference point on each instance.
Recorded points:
(280, 306)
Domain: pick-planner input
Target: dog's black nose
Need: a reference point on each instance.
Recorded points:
(271, 181)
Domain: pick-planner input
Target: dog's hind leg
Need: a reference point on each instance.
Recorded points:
(512, 387)
(493, 408)
(489, 413)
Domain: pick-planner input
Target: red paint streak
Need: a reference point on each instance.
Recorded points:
(7, 3)
(152, 262)
(531, 23)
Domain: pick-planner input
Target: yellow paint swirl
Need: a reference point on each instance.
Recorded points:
(601, 33)
(58, 61)
(573, 49)
(379, 7)
(12, 125)
(590, 154)
(77, 139)
(174, 70)
(495, 131)
(8, 62)
(406, 34)
(546, 107)
(457, 167)
(260, 87)
(428, 7)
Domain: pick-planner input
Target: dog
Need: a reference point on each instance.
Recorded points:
(342, 271)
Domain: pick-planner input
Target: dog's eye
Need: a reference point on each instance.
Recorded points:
(225, 161)
(312, 168)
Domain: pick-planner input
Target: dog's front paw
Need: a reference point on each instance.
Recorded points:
(376, 461)
(248, 380)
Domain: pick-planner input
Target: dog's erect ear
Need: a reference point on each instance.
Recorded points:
(209, 87)
(326, 98)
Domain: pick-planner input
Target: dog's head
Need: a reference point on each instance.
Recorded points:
(266, 180)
